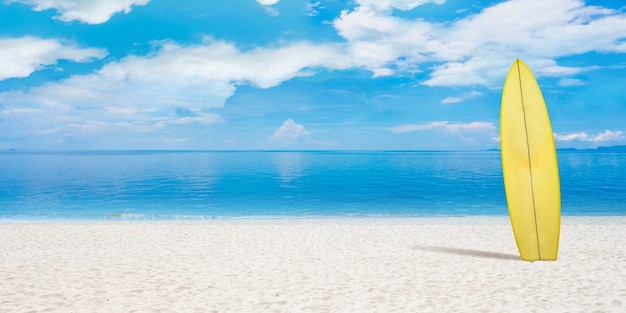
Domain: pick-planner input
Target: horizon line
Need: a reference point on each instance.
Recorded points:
(284, 150)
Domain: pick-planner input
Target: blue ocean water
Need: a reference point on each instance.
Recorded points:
(240, 184)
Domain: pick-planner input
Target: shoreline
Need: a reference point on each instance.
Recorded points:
(147, 218)
(312, 265)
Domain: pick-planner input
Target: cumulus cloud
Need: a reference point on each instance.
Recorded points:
(268, 6)
(205, 118)
(470, 95)
(173, 85)
(607, 135)
(273, 12)
(267, 2)
(20, 57)
(378, 41)
(471, 134)
(567, 82)
(85, 11)
(198, 75)
(448, 100)
(443, 125)
(478, 49)
(385, 5)
(314, 8)
(289, 132)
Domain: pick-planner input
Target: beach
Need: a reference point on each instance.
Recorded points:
(442, 264)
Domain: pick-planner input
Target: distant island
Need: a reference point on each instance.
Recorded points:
(611, 149)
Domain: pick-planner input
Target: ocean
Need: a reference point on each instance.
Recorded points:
(163, 185)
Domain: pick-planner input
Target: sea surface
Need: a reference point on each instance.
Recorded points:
(103, 185)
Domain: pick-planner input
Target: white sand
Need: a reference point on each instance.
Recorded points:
(332, 265)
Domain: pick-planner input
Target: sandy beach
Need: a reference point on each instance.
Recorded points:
(460, 264)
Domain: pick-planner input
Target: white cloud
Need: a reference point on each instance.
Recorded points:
(314, 8)
(267, 2)
(607, 135)
(200, 75)
(475, 71)
(465, 134)
(376, 40)
(20, 57)
(267, 5)
(448, 100)
(479, 49)
(128, 110)
(443, 125)
(89, 126)
(85, 11)
(273, 12)
(566, 82)
(470, 95)
(289, 132)
(7, 112)
(205, 118)
(405, 5)
(173, 85)
(380, 72)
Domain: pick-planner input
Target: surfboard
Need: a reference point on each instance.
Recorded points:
(529, 166)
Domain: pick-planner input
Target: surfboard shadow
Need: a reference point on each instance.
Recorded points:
(470, 252)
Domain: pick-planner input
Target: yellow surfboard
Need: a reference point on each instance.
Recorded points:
(529, 166)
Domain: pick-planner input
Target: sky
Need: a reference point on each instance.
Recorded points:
(303, 75)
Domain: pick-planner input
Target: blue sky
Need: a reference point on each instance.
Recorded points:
(292, 74)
